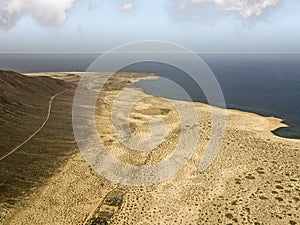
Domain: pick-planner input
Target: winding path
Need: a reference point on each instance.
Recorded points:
(39, 129)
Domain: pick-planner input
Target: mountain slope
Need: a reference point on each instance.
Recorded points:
(23, 105)
(25, 109)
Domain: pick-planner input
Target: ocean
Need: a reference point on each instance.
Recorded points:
(267, 84)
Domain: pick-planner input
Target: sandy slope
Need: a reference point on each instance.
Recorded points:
(255, 178)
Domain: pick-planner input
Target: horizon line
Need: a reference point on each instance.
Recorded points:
(263, 53)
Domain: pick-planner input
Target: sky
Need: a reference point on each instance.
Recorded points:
(204, 26)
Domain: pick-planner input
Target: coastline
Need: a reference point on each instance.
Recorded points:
(152, 76)
(291, 131)
(277, 121)
(246, 161)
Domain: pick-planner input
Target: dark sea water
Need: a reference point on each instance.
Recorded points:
(265, 84)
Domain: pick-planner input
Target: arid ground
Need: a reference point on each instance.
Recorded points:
(255, 178)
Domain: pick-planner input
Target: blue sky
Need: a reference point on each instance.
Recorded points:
(204, 26)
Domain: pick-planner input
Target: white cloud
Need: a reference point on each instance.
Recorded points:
(244, 8)
(46, 12)
(127, 6)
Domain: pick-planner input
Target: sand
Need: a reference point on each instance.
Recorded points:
(254, 179)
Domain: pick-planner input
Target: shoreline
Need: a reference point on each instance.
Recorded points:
(153, 76)
(251, 157)
(281, 124)
(284, 122)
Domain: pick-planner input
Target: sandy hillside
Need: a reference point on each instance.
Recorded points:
(255, 178)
